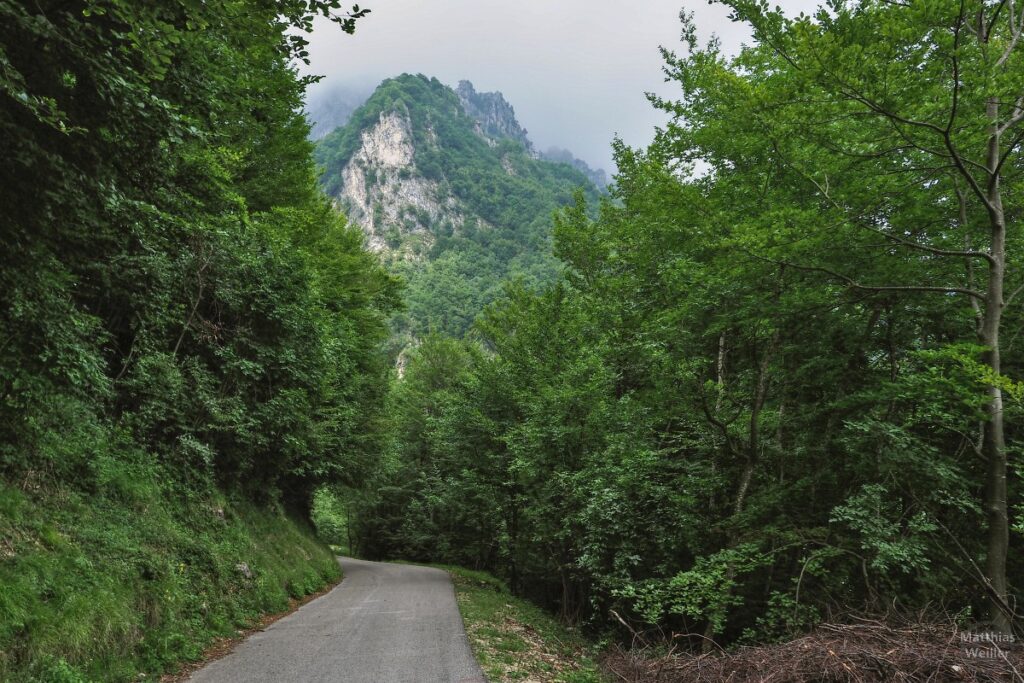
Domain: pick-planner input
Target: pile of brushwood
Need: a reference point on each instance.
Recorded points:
(862, 652)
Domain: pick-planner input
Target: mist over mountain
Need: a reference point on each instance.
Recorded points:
(560, 155)
(330, 106)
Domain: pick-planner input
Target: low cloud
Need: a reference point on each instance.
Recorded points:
(575, 70)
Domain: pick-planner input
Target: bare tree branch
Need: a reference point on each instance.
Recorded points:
(1015, 118)
(1013, 295)
(956, 68)
(850, 282)
(1009, 150)
(912, 244)
(1014, 32)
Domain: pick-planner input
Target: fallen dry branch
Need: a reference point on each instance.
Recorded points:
(854, 653)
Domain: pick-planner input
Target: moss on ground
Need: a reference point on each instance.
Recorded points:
(127, 582)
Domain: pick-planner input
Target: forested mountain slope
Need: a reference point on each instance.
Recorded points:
(446, 186)
(190, 335)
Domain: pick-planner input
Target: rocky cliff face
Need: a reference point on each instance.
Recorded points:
(391, 171)
(383, 191)
(495, 117)
(390, 183)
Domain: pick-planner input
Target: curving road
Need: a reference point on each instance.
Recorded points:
(385, 623)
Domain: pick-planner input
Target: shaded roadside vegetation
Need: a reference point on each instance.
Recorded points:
(189, 334)
(104, 588)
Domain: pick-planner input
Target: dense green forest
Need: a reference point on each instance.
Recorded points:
(508, 197)
(776, 381)
(189, 334)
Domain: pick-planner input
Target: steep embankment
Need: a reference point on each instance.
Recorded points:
(448, 189)
(107, 586)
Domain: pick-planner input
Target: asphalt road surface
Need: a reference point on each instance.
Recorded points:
(385, 623)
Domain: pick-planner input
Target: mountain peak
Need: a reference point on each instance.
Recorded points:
(494, 115)
(445, 187)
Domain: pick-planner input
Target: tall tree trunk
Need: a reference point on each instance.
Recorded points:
(752, 453)
(513, 536)
(995, 440)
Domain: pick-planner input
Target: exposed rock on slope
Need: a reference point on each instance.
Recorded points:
(382, 189)
(495, 116)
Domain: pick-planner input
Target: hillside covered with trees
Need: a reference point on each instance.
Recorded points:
(189, 334)
(467, 207)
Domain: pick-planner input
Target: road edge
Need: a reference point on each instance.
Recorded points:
(223, 646)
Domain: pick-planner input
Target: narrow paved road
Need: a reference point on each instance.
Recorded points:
(385, 623)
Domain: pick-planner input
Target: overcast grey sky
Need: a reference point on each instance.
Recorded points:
(575, 70)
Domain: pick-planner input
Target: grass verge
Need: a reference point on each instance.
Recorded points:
(124, 583)
(515, 640)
